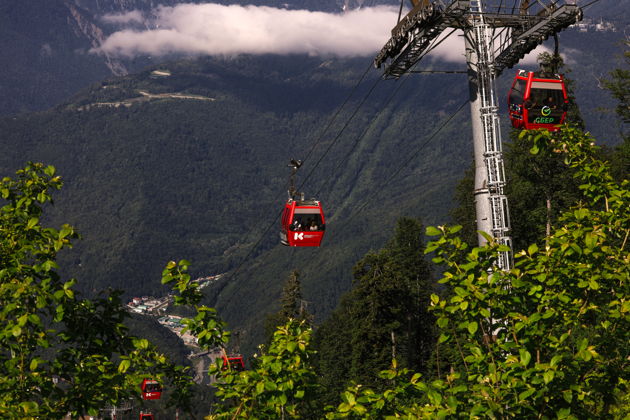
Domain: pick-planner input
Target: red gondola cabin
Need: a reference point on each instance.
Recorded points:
(146, 416)
(151, 389)
(537, 102)
(234, 362)
(303, 223)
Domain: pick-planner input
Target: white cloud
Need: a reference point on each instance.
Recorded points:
(135, 16)
(228, 30)
(213, 29)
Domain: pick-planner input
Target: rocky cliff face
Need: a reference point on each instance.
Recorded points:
(99, 7)
(84, 26)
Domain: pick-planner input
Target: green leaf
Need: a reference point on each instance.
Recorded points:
(260, 387)
(567, 395)
(472, 327)
(485, 235)
(124, 365)
(349, 398)
(525, 394)
(283, 399)
(433, 231)
(32, 222)
(442, 322)
(525, 357)
(563, 413)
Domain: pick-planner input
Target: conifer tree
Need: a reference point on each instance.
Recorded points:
(292, 306)
(383, 317)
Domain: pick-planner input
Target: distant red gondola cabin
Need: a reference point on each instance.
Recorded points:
(151, 389)
(233, 362)
(537, 102)
(302, 223)
(146, 416)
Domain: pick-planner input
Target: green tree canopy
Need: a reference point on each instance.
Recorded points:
(384, 315)
(292, 306)
(547, 339)
(60, 354)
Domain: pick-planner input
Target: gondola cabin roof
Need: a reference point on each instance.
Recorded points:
(537, 101)
(233, 362)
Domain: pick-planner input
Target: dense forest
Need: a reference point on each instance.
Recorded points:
(187, 160)
(162, 177)
(172, 178)
(547, 338)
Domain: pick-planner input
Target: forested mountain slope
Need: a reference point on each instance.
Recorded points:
(47, 45)
(190, 162)
(204, 178)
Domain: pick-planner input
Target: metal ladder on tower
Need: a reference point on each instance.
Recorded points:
(493, 155)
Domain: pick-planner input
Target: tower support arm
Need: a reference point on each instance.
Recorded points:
(524, 41)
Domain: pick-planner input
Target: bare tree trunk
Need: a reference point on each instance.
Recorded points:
(393, 346)
(548, 230)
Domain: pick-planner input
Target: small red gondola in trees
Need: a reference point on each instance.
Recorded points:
(233, 362)
(303, 222)
(537, 101)
(146, 416)
(151, 389)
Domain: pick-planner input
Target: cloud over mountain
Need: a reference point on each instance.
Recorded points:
(214, 29)
(228, 30)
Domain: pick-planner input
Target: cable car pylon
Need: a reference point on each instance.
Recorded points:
(517, 31)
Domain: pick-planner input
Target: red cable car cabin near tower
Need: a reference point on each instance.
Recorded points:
(303, 223)
(537, 101)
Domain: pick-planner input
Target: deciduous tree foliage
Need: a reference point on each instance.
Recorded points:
(540, 186)
(383, 316)
(60, 354)
(547, 339)
(280, 384)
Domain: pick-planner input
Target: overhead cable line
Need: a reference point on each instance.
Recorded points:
(435, 44)
(365, 131)
(590, 4)
(437, 71)
(411, 157)
(278, 214)
(319, 138)
(385, 104)
(338, 136)
(337, 112)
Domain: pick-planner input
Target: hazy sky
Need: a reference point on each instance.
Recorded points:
(213, 29)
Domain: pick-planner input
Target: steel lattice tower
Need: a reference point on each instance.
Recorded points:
(496, 37)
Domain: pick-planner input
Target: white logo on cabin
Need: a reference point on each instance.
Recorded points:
(297, 236)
